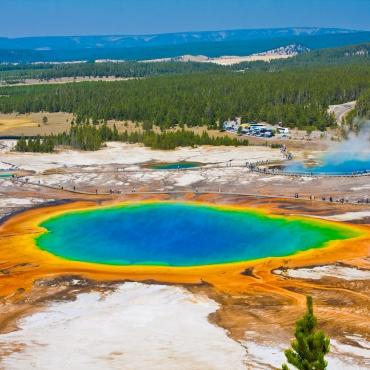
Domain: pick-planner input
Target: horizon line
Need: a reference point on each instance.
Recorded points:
(179, 32)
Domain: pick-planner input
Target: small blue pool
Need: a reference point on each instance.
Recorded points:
(174, 165)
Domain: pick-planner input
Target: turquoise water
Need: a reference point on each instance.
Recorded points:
(180, 234)
(5, 175)
(333, 164)
(175, 166)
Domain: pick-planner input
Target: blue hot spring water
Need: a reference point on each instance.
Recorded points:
(333, 164)
(180, 234)
(175, 166)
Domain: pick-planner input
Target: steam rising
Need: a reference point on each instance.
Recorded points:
(356, 146)
(351, 156)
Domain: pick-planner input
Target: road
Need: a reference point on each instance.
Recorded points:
(341, 110)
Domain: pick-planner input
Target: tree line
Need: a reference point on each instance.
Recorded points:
(174, 139)
(363, 105)
(13, 73)
(35, 145)
(18, 73)
(86, 136)
(297, 98)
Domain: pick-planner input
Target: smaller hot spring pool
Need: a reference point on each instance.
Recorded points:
(332, 164)
(174, 165)
(5, 175)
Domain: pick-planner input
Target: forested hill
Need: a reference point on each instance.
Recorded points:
(352, 54)
(165, 39)
(223, 43)
(355, 54)
(298, 97)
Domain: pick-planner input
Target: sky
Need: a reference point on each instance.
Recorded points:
(112, 17)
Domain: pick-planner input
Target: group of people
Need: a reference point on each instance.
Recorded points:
(284, 151)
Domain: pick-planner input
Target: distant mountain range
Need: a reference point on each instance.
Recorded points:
(135, 41)
(141, 47)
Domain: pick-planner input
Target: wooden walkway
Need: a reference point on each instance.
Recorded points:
(194, 191)
(275, 172)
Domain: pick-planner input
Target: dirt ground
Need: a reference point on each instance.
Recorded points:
(32, 124)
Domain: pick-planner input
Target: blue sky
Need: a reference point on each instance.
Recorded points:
(84, 17)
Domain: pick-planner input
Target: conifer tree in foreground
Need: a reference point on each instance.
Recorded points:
(309, 346)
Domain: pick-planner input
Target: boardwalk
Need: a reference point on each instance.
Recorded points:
(194, 191)
(274, 171)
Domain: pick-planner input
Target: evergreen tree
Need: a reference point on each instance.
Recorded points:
(309, 346)
(147, 126)
(115, 133)
(38, 145)
(21, 145)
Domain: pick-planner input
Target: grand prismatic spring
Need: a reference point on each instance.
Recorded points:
(181, 234)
